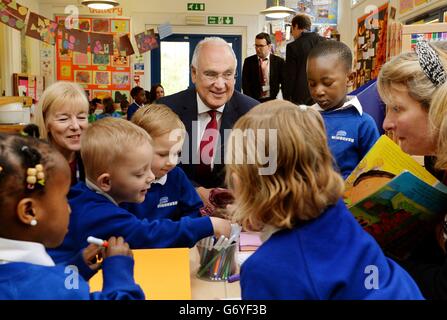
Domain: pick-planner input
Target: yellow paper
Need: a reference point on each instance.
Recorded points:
(163, 274)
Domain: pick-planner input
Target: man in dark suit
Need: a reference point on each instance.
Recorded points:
(208, 111)
(262, 73)
(296, 87)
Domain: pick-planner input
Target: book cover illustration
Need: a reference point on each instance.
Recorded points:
(394, 198)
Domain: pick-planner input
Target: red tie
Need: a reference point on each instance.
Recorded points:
(208, 143)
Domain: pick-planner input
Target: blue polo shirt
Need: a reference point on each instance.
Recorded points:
(350, 133)
(171, 197)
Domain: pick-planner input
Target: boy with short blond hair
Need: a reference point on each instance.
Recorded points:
(172, 195)
(118, 157)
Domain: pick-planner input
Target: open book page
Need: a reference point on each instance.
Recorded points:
(400, 213)
(394, 198)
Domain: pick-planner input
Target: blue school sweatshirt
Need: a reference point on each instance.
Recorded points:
(328, 258)
(94, 215)
(26, 281)
(350, 136)
(173, 200)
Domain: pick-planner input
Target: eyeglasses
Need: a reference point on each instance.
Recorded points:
(260, 45)
(212, 76)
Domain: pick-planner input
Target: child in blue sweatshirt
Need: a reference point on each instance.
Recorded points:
(117, 156)
(350, 131)
(171, 195)
(313, 248)
(34, 182)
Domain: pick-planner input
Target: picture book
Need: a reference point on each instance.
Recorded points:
(394, 198)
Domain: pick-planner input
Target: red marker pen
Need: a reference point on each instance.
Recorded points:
(99, 242)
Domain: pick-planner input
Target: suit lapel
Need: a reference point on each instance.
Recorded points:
(188, 115)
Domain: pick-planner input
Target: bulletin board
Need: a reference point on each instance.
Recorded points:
(430, 32)
(323, 11)
(101, 75)
(371, 45)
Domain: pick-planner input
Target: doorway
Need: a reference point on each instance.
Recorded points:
(170, 65)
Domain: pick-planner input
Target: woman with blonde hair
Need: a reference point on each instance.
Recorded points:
(62, 116)
(411, 85)
(280, 169)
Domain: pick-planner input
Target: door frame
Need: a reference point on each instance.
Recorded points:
(236, 31)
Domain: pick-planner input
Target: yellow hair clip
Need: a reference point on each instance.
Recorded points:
(35, 175)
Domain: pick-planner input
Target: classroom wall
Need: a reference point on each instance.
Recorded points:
(247, 22)
(365, 7)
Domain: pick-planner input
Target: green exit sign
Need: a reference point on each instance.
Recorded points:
(220, 20)
(196, 7)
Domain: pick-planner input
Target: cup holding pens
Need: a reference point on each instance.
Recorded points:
(216, 263)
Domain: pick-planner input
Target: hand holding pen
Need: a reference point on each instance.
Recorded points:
(99, 249)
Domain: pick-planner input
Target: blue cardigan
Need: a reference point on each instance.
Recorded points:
(95, 215)
(173, 200)
(328, 258)
(25, 281)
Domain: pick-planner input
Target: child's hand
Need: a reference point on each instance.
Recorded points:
(221, 227)
(118, 247)
(92, 256)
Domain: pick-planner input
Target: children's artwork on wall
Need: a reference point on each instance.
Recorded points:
(120, 61)
(120, 26)
(324, 11)
(101, 73)
(102, 77)
(13, 14)
(74, 40)
(64, 71)
(101, 59)
(101, 94)
(101, 43)
(119, 95)
(120, 80)
(41, 28)
(146, 41)
(124, 46)
(84, 25)
(46, 61)
(100, 25)
(83, 76)
(371, 45)
(82, 59)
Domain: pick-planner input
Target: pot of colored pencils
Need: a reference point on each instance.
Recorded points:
(217, 258)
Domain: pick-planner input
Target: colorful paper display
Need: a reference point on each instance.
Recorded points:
(41, 28)
(146, 41)
(13, 14)
(99, 68)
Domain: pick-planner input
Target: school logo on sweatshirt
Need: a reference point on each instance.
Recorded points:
(341, 135)
(164, 202)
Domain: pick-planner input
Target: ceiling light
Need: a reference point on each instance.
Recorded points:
(100, 4)
(277, 11)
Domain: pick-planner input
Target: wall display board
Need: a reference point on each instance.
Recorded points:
(101, 67)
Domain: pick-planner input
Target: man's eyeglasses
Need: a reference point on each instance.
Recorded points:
(213, 76)
(260, 45)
